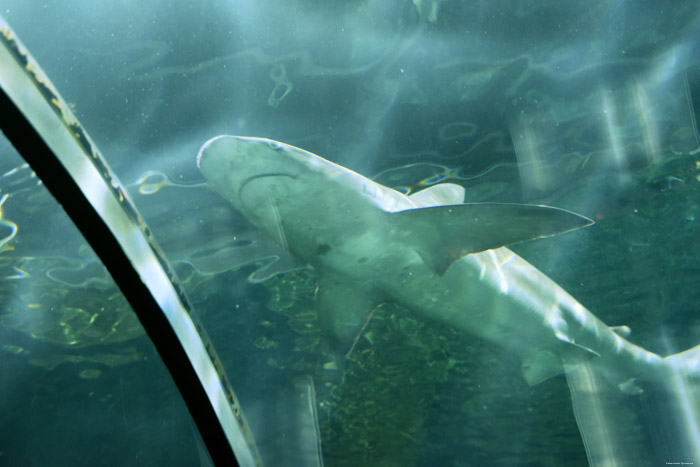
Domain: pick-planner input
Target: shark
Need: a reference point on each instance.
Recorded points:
(436, 256)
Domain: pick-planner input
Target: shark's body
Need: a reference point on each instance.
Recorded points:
(441, 259)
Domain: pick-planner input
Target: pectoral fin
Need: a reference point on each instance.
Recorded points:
(540, 366)
(543, 364)
(344, 311)
(443, 234)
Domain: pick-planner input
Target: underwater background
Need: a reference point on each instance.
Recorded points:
(589, 106)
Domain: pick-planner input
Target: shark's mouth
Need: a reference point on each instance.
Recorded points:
(256, 177)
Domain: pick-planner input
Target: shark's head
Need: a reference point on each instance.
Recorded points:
(257, 175)
(243, 169)
(234, 162)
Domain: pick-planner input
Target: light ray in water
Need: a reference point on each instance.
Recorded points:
(685, 396)
(691, 109)
(614, 135)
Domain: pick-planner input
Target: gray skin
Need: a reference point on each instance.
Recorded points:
(442, 260)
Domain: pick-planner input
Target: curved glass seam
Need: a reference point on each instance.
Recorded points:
(32, 93)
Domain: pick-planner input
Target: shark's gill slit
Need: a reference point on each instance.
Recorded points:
(255, 177)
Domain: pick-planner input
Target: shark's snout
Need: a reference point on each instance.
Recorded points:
(211, 146)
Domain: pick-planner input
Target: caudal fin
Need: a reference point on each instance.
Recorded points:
(604, 414)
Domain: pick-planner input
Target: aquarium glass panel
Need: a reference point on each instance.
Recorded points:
(81, 383)
(363, 314)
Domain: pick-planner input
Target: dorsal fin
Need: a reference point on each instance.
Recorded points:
(438, 195)
(443, 234)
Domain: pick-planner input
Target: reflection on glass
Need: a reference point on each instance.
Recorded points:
(81, 383)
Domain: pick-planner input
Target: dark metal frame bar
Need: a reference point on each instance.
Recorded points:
(200, 380)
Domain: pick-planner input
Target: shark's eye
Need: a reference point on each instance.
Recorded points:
(274, 145)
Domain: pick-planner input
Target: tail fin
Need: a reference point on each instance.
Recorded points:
(606, 417)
